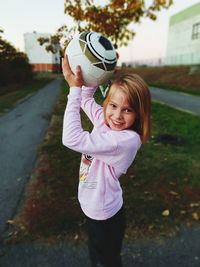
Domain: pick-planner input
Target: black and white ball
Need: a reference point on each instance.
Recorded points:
(96, 56)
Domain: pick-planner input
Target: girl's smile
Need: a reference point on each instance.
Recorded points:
(118, 113)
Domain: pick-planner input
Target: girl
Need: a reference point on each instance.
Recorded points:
(120, 127)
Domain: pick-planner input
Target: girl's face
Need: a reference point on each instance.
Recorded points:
(119, 115)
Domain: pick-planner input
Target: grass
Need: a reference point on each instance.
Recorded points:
(161, 189)
(11, 94)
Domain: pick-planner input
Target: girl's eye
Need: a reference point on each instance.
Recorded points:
(112, 105)
(127, 110)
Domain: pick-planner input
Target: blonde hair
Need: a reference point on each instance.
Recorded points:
(139, 98)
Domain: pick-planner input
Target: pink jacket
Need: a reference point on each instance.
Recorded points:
(106, 155)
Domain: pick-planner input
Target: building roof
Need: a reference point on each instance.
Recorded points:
(185, 14)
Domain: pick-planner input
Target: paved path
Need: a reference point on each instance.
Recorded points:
(182, 101)
(21, 131)
(182, 250)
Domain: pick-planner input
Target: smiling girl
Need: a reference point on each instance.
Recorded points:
(120, 127)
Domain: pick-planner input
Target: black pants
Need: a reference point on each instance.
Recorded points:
(105, 240)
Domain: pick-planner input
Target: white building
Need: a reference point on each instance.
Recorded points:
(39, 58)
(183, 47)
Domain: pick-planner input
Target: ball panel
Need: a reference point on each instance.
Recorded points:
(85, 50)
(83, 35)
(83, 45)
(102, 76)
(110, 67)
(91, 57)
(100, 65)
(80, 59)
(73, 48)
(110, 56)
(91, 75)
(97, 49)
(105, 43)
(96, 72)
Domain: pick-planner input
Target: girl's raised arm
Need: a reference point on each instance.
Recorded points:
(93, 110)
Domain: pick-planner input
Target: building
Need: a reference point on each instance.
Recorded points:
(39, 58)
(183, 47)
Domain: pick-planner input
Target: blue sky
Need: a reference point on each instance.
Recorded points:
(20, 16)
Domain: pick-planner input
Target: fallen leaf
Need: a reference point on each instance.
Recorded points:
(194, 205)
(165, 213)
(76, 237)
(11, 222)
(173, 193)
(151, 227)
(183, 212)
(195, 216)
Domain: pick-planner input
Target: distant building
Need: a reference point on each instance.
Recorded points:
(39, 58)
(183, 47)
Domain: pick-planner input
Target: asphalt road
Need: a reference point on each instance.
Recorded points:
(21, 130)
(181, 250)
(181, 101)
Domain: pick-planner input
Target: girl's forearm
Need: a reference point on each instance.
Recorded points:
(72, 127)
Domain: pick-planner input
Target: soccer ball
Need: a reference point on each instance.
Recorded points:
(96, 56)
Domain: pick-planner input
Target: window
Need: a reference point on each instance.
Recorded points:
(196, 31)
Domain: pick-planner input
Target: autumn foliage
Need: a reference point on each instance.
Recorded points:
(115, 19)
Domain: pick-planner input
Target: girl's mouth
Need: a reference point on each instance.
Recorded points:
(117, 124)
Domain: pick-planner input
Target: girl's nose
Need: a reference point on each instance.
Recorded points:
(118, 114)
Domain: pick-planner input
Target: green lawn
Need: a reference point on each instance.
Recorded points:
(161, 188)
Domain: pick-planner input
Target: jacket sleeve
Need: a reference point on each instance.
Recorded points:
(89, 106)
(76, 138)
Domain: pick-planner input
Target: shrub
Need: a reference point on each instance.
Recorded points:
(14, 65)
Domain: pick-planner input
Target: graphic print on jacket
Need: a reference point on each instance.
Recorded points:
(86, 161)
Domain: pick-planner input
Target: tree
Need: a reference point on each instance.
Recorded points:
(14, 65)
(64, 32)
(112, 19)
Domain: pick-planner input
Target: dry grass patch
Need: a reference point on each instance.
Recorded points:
(180, 78)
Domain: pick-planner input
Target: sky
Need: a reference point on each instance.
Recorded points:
(46, 16)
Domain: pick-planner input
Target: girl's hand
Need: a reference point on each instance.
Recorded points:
(73, 79)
